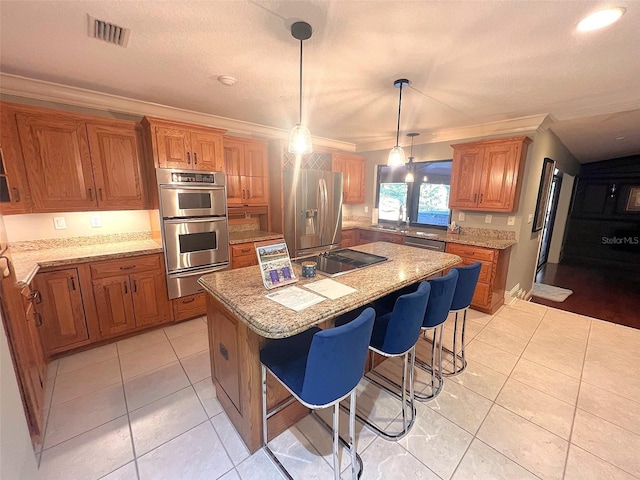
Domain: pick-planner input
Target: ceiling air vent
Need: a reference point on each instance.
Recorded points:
(108, 32)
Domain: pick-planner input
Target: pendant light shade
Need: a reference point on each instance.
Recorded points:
(396, 155)
(300, 136)
(409, 178)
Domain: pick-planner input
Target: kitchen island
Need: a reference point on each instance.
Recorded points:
(241, 319)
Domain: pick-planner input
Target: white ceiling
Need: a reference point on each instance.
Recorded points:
(469, 63)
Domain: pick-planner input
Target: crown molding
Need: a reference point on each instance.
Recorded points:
(515, 126)
(25, 87)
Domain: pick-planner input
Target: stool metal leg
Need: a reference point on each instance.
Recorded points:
(455, 355)
(352, 434)
(336, 426)
(435, 369)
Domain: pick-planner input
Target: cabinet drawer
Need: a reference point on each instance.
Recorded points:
(244, 261)
(126, 265)
(190, 306)
(244, 249)
(470, 252)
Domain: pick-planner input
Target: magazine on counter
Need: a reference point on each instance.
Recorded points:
(275, 264)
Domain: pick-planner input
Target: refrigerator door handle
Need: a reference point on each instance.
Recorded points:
(324, 205)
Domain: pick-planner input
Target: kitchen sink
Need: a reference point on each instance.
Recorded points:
(427, 234)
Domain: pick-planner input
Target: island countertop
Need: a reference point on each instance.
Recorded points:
(241, 290)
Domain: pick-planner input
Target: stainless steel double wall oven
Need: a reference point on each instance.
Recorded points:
(193, 209)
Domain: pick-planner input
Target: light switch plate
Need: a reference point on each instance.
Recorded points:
(95, 221)
(511, 220)
(487, 219)
(59, 223)
(530, 219)
(461, 217)
(366, 209)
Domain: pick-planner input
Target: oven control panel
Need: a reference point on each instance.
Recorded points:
(193, 177)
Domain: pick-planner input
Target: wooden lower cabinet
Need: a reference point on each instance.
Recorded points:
(349, 238)
(132, 300)
(369, 236)
(60, 310)
(188, 307)
(489, 293)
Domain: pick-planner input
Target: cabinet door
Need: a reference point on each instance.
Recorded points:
(207, 151)
(150, 299)
(116, 154)
(114, 305)
(255, 190)
(466, 173)
(498, 173)
(14, 193)
(26, 352)
(174, 147)
(354, 180)
(61, 310)
(234, 170)
(57, 162)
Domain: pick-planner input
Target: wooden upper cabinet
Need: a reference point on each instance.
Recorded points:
(246, 169)
(353, 168)
(61, 310)
(117, 156)
(487, 175)
(57, 161)
(15, 196)
(184, 146)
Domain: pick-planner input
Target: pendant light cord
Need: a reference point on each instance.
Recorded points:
(300, 117)
(399, 106)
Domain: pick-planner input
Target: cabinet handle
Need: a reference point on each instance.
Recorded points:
(127, 267)
(126, 290)
(135, 286)
(8, 267)
(189, 158)
(35, 296)
(37, 318)
(195, 158)
(243, 194)
(475, 197)
(73, 283)
(101, 195)
(223, 351)
(90, 192)
(481, 196)
(189, 300)
(16, 194)
(248, 194)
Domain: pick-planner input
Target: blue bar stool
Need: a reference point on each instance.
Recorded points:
(395, 335)
(466, 286)
(442, 290)
(320, 368)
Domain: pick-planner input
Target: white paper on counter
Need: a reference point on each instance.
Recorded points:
(294, 298)
(330, 288)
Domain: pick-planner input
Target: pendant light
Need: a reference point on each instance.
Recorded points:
(300, 137)
(396, 155)
(409, 177)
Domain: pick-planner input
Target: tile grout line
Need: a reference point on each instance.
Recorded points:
(126, 406)
(46, 420)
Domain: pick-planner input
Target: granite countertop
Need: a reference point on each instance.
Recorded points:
(252, 236)
(28, 260)
(242, 292)
(479, 237)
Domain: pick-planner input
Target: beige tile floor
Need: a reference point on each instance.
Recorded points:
(547, 394)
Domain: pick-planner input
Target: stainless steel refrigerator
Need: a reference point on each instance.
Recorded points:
(312, 211)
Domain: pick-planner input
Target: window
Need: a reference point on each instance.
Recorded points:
(425, 202)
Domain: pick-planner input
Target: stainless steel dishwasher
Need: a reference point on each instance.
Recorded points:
(427, 243)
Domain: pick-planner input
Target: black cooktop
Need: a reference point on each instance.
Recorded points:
(338, 262)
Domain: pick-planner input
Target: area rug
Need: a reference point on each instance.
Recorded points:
(549, 292)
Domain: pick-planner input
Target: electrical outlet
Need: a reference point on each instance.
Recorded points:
(59, 223)
(511, 220)
(461, 217)
(95, 221)
(487, 219)
(530, 218)
(366, 209)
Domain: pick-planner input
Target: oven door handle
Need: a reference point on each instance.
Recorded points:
(204, 271)
(178, 187)
(195, 220)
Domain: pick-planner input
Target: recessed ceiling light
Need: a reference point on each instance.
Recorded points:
(620, 138)
(227, 80)
(600, 19)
